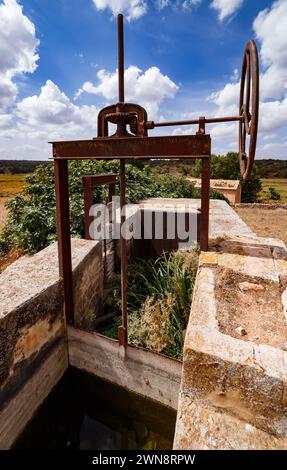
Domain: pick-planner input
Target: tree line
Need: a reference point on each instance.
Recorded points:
(14, 167)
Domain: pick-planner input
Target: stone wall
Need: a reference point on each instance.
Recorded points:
(33, 330)
(88, 281)
(260, 205)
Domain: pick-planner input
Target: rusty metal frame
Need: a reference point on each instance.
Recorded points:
(110, 148)
(64, 237)
(136, 144)
(89, 182)
(176, 147)
(122, 145)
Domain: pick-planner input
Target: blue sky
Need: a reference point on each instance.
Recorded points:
(182, 59)
(190, 46)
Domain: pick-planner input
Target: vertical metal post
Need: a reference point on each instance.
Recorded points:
(204, 219)
(122, 333)
(121, 69)
(63, 235)
(88, 202)
(112, 191)
(201, 126)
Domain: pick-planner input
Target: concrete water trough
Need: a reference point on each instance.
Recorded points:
(231, 384)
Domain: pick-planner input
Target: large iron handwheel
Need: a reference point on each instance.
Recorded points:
(249, 94)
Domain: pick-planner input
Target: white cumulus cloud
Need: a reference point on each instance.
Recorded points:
(273, 115)
(134, 9)
(227, 98)
(52, 109)
(41, 118)
(185, 5)
(36, 119)
(148, 88)
(161, 4)
(5, 121)
(18, 49)
(226, 8)
(270, 28)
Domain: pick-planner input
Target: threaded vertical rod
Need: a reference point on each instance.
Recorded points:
(121, 69)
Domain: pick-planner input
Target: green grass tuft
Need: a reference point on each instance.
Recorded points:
(159, 295)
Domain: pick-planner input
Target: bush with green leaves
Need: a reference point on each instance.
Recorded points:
(227, 167)
(273, 194)
(31, 223)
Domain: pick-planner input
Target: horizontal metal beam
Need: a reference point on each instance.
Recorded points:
(183, 146)
(101, 179)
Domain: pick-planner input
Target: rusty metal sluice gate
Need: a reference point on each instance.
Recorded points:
(134, 144)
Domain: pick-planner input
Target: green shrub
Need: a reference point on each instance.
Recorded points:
(161, 304)
(273, 194)
(184, 171)
(31, 223)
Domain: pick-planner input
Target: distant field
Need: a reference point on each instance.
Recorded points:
(11, 184)
(280, 185)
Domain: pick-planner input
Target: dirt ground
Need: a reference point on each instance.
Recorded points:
(9, 258)
(251, 305)
(266, 222)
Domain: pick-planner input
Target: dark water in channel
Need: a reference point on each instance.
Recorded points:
(84, 412)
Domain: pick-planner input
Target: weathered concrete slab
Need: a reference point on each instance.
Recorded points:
(233, 387)
(20, 409)
(202, 418)
(224, 222)
(29, 276)
(231, 189)
(143, 372)
(32, 326)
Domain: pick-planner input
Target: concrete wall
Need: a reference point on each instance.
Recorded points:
(235, 362)
(223, 222)
(233, 195)
(232, 391)
(231, 189)
(146, 373)
(33, 342)
(34, 351)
